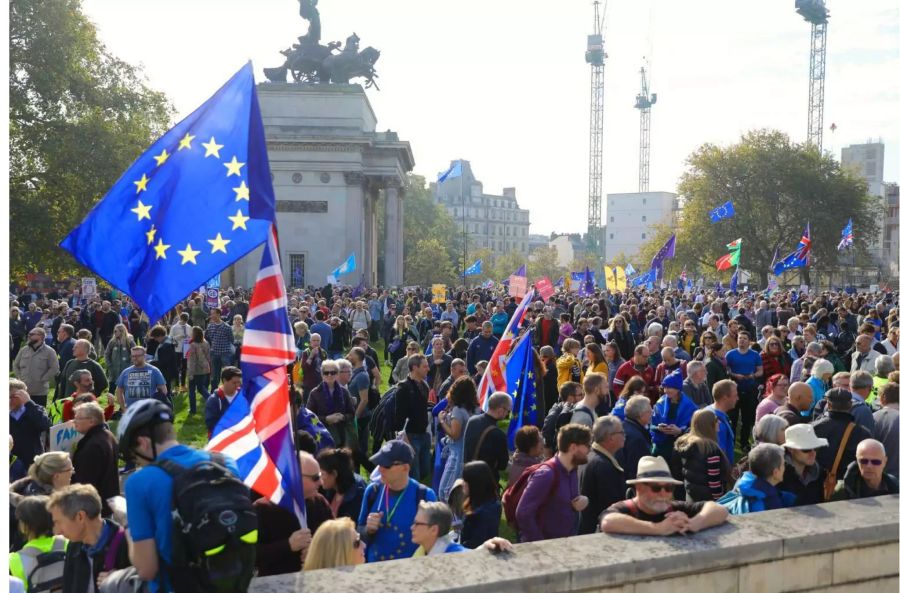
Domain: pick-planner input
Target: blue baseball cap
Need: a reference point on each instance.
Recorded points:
(393, 453)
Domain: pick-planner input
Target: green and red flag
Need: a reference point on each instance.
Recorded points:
(733, 258)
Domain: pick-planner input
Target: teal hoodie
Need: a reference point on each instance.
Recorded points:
(749, 496)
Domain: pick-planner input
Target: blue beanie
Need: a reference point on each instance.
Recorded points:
(673, 380)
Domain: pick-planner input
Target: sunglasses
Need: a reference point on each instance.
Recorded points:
(357, 542)
(873, 462)
(329, 373)
(313, 477)
(657, 488)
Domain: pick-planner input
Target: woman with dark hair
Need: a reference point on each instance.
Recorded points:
(199, 365)
(699, 461)
(634, 386)
(613, 356)
(551, 390)
(715, 364)
(482, 505)
(775, 360)
(593, 360)
(463, 398)
(343, 488)
(459, 349)
(620, 333)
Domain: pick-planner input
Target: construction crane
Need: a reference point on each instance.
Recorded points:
(815, 13)
(644, 101)
(596, 57)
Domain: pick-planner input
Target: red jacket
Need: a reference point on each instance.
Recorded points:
(662, 371)
(627, 371)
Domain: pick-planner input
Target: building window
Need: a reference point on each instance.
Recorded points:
(612, 218)
(643, 219)
(644, 201)
(298, 269)
(643, 235)
(612, 236)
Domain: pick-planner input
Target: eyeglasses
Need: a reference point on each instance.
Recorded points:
(313, 477)
(329, 373)
(873, 462)
(357, 541)
(657, 488)
(421, 524)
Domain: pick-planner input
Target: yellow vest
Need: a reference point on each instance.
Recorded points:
(20, 567)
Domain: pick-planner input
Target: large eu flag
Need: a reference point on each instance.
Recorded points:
(196, 201)
(521, 381)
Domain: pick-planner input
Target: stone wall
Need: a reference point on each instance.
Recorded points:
(835, 548)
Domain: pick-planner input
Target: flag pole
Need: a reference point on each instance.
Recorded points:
(465, 229)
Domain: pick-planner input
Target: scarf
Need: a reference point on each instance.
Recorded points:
(439, 547)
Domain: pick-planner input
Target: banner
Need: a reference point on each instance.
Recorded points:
(88, 287)
(610, 278)
(438, 293)
(212, 297)
(544, 288)
(518, 287)
(64, 436)
(621, 278)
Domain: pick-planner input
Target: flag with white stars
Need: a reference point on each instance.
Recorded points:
(521, 380)
(196, 201)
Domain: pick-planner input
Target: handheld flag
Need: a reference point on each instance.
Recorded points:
(733, 258)
(587, 285)
(523, 385)
(267, 350)
(610, 277)
(358, 289)
(629, 270)
(621, 278)
(734, 280)
(798, 258)
(667, 251)
(454, 171)
(722, 212)
(310, 423)
(494, 378)
(347, 267)
(473, 270)
(846, 236)
(196, 201)
(774, 259)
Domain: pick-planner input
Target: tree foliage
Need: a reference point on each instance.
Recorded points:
(78, 117)
(425, 220)
(777, 186)
(545, 262)
(429, 263)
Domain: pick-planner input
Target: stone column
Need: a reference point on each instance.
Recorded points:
(393, 241)
(372, 234)
(355, 179)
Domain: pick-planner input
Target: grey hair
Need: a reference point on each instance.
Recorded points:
(821, 368)
(636, 406)
(77, 374)
(765, 459)
(654, 329)
(438, 513)
(861, 380)
(669, 341)
(499, 400)
(343, 364)
(883, 365)
(331, 364)
(93, 410)
(604, 427)
(768, 427)
(693, 367)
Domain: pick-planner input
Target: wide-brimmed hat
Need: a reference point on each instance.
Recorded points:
(653, 470)
(802, 436)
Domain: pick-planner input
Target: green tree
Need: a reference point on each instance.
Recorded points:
(508, 263)
(429, 263)
(78, 116)
(424, 219)
(777, 186)
(544, 261)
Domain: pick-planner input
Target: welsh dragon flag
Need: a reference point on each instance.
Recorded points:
(733, 258)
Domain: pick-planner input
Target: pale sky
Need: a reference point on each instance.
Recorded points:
(504, 84)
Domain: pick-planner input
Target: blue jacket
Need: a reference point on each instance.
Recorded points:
(750, 494)
(481, 348)
(686, 409)
(619, 409)
(726, 433)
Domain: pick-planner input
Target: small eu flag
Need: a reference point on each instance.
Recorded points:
(474, 269)
(198, 200)
(722, 212)
(520, 380)
(310, 423)
(455, 170)
(347, 267)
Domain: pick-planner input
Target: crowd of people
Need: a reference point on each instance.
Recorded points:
(658, 412)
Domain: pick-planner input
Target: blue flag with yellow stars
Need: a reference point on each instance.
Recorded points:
(309, 422)
(196, 201)
(522, 383)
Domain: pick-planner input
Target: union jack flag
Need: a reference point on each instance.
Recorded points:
(798, 258)
(846, 236)
(494, 378)
(256, 429)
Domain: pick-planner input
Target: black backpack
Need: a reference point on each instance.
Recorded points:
(382, 422)
(47, 572)
(553, 422)
(214, 529)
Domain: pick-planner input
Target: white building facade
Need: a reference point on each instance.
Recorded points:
(629, 217)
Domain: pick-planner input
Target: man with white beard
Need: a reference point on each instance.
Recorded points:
(653, 512)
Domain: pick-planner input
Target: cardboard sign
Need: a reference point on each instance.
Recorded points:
(544, 288)
(64, 436)
(212, 297)
(438, 293)
(88, 287)
(518, 287)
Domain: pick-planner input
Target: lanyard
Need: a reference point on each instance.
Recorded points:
(387, 500)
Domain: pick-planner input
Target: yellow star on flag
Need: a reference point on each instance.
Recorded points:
(239, 221)
(186, 141)
(188, 255)
(212, 149)
(218, 244)
(161, 158)
(141, 183)
(151, 234)
(234, 167)
(160, 249)
(242, 192)
(142, 211)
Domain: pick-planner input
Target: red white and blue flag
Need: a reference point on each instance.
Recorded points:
(846, 236)
(799, 258)
(494, 378)
(256, 428)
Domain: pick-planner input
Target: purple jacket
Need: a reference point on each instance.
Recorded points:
(545, 511)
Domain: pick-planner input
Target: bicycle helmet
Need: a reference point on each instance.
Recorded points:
(142, 414)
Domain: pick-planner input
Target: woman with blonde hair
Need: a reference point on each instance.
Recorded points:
(699, 461)
(237, 330)
(118, 353)
(335, 543)
(49, 472)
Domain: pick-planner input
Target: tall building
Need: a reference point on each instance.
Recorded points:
(491, 221)
(629, 217)
(891, 229)
(867, 161)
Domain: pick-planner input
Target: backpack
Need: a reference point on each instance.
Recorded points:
(214, 529)
(382, 422)
(46, 573)
(552, 424)
(513, 494)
